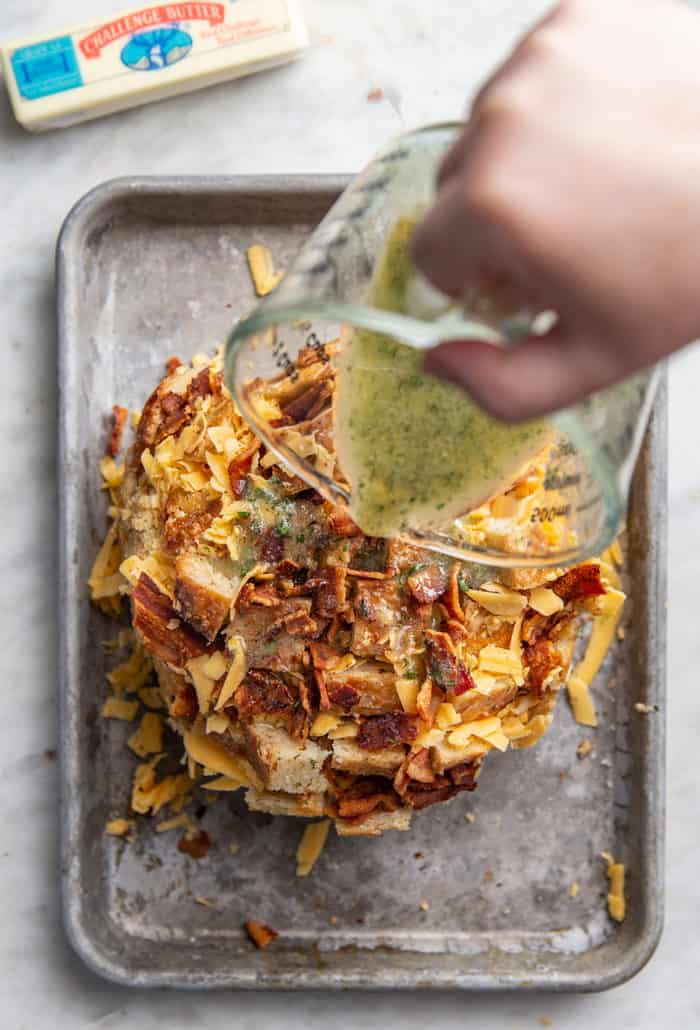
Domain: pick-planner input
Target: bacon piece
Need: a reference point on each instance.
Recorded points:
(402, 556)
(260, 934)
(263, 594)
(452, 599)
(200, 386)
(153, 617)
(444, 666)
(323, 656)
(271, 546)
(310, 402)
(163, 414)
(329, 589)
(351, 808)
(118, 422)
(187, 516)
(464, 775)
(172, 364)
(175, 412)
(323, 699)
(239, 469)
(339, 522)
(343, 695)
(290, 568)
(312, 353)
(298, 623)
(579, 583)
(307, 695)
(421, 795)
(291, 484)
(419, 790)
(375, 683)
(428, 583)
(364, 795)
(540, 657)
(263, 693)
(426, 705)
(377, 610)
(367, 574)
(196, 846)
(465, 681)
(388, 730)
(184, 705)
(417, 767)
(335, 626)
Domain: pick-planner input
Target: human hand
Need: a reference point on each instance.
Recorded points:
(576, 186)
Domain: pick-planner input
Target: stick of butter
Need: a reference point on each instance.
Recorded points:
(149, 53)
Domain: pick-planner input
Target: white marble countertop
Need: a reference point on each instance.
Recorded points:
(310, 117)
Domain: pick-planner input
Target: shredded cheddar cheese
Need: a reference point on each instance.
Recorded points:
(502, 661)
(446, 716)
(217, 723)
(262, 270)
(323, 723)
(119, 827)
(616, 894)
(118, 708)
(311, 845)
(148, 738)
(131, 675)
(348, 728)
(535, 728)
(544, 601)
(235, 674)
(605, 623)
(499, 600)
(408, 693)
(203, 684)
(212, 755)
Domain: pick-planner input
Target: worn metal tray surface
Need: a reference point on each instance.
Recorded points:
(154, 267)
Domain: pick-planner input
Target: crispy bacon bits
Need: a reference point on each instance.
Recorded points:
(184, 704)
(428, 582)
(263, 693)
(343, 696)
(340, 523)
(260, 934)
(380, 731)
(200, 385)
(541, 657)
(444, 667)
(187, 516)
(119, 416)
(195, 845)
(579, 583)
(239, 469)
(164, 636)
(329, 590)
(271, 546)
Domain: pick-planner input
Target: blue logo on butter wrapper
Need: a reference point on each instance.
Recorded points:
(149, 51)
(46, 68)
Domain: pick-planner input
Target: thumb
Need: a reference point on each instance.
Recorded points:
(536, 376)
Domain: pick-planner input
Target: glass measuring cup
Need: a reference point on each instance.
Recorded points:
(560, 496)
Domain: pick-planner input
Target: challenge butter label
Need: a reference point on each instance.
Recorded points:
(109, 63)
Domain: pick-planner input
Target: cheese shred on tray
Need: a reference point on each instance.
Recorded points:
(325, 673)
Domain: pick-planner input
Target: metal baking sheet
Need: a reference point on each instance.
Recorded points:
(153, 267)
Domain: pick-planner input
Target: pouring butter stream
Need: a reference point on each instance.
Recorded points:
(417, 452)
